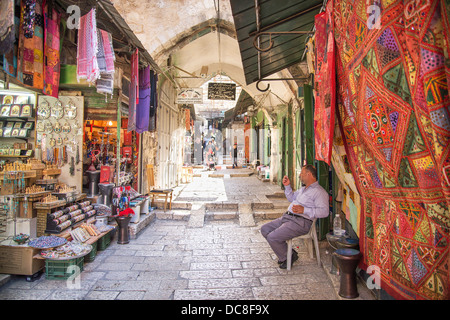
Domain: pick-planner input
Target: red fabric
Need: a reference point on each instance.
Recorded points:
(325, 78)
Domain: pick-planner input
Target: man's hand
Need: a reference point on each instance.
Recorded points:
(296, 208)
(286, 181)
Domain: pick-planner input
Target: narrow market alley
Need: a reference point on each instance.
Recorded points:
(220, 259)
(224, 150)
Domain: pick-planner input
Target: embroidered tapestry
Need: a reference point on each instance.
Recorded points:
(392, 67)
(325, 87)
(30, 60)
(51, 51)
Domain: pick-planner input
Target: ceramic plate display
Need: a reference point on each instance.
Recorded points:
(48, 128)
(59, 141)
(70, 110)
(40, 126)
(57, 127)
(43, 110)
(57, 110)
(66, 127)
(8, 100)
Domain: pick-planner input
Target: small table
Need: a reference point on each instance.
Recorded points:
(165, 193)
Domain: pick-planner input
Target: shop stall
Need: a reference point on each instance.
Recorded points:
(69, 160)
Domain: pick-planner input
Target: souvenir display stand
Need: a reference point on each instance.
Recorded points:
(59, 135)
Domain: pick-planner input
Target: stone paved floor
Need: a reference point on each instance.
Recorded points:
(169, 260)
(176, 260)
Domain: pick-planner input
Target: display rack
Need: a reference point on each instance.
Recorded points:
(17, 125)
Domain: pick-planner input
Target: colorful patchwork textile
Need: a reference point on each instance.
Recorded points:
(30, 61)
(325, 93)
(51, 52)
(394, 113)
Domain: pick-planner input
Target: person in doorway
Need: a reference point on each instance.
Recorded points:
(211, 150)
(235, 155)
(309, 202)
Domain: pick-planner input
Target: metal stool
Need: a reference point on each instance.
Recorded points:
(348, 260)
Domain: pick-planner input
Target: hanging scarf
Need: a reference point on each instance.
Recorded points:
(153, 101)
(30, 62)
(10, 55)
(105, 57)
(134, 91)
(143, 108)
(51, 52)
(7, 32)
(87, 64)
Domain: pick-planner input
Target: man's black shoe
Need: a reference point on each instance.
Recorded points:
(283, 264)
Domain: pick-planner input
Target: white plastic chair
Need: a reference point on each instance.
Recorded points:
(312, 234)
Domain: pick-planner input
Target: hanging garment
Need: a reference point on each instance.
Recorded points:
(10, 57)
(310, 54)
(134, 91)
(105, 58)
(153, 101)
(143, 108)
(30, 61)
(51, 51)
(393, 98)
(7, 29)
(29, 16)
(325, 93)
(87, 47)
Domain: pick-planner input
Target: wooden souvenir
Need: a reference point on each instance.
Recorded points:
(26, 110)
(7, 132)
(28, 125)
(15, 132)
(23, 133)
(5, 111)
(15, 110)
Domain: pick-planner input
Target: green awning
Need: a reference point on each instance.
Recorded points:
(273, 16)
(244, 101)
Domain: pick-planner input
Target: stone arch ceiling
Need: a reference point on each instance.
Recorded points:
(186, 31)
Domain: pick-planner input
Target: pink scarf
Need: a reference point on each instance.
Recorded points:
(87, 64)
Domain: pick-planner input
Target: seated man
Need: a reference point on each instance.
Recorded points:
(309, 202)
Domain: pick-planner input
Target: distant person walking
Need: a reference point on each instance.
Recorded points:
(235, 155)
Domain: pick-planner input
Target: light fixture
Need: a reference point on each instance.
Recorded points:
(110, 123)
(204, 72)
